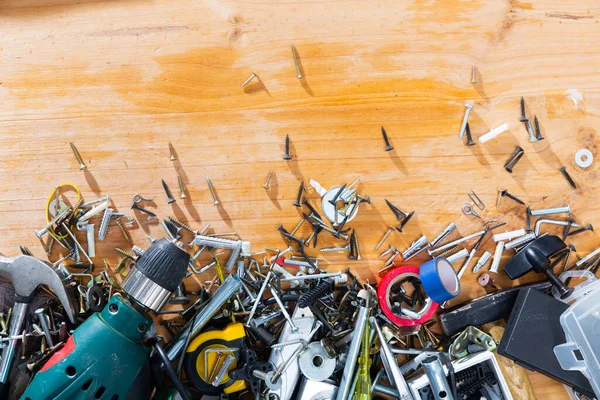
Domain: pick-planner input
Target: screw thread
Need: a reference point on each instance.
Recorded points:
(297, 227)
(172, 152)
(356, 246)
(77, 156)
(385, 236)
(181, 188)
(212, 190)
(181, 224)
(268, 181)
(123, 230)
(449, 251)
(125, 253)
(334, 249)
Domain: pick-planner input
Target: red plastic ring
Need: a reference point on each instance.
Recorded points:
(383, 294)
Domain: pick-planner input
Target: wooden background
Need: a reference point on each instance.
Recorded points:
(123, 78)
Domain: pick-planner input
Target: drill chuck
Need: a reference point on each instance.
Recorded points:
(157, 274)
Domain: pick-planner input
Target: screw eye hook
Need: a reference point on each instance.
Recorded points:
(137, 198)
(468, 210)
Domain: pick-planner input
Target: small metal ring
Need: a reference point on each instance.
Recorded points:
(137, 198)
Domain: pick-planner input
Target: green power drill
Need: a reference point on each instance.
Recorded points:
(106, 357)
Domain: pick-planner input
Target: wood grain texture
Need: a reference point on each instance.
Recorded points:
(122, 78)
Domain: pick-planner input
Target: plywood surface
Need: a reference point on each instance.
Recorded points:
(123, 78)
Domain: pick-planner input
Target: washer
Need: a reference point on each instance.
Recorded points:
(315, 364)
(584, 158)
(329, 209)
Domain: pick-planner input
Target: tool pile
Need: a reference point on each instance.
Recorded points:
(274, 325)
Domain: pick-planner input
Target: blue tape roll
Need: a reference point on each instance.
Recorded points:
(439, 280)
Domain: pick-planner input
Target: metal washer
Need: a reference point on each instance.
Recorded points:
(315, 364)
(584, 158)
(329, 210)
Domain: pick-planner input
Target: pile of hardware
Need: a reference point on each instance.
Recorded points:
(274, 325)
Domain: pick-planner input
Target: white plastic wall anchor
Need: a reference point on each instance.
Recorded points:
(508, 235)
(497, 257)
(493, 133)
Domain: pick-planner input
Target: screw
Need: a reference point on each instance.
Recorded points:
(82, 165)
(517, 151)
(295, 55)
(181, 188)
(172, 152)
(563, 170)
(168, 192)
(465, 120)
(354, 238)
(337, 195)
(503, 193)
(247, 81)
(513, 163)
(473, 74)
(538, 133)
(134, 206)
(334, 249)
(287, 148)
(268, 181)
(299, 195)
(126, 253)
(523, 116)
(532, 137)
(528, 219)
(60, 216)
(470, 141)
(297, 226)
(122, 229)
(559, 210)
(181, 224)
(212, 191)
(44, 323)
(587, 228)
(388, 146)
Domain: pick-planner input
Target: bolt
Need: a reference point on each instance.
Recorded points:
(82, 165)
(247, 81)
(473, 74)
(168, 192)
(470, 141)
(559, 210)
(532, 137)
(513, 163)
(172, 152)
(268, 181)
(538, 133)
(296, 63)
(587, 228)
(299, 195)
(563, 170)
(388, 146)
(463, 128)
(212, 191)
(287, 148)
(181, 188)
(523, 116)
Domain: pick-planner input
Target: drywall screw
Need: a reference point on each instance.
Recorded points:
(298, 225)
(538, 133)
(122, 229)
(388, 146)
(523, 116)
(268, 181)
(587, 228)
(172, 152)
(470, 141)
(299, 195)
(82, 165)
(181, 224)
(287, 148)
(212, 191)
(337, 195)
(354, 238)
(295, 55)
(532, 137)
(517, 151)
(504, 193)
(563, 170)
(334, 249)
(468, 108)
(513, 163)
(168, 192)
(126, 253)
(473, 74)
(559, 210)
(134, 206)
(181, 188)
(247, 81)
